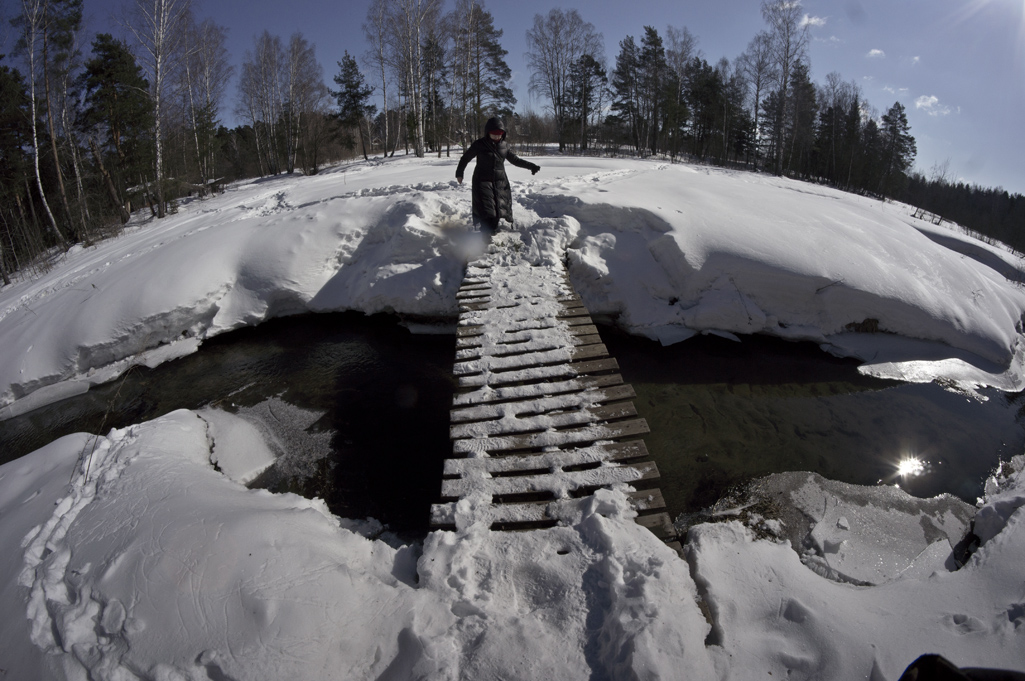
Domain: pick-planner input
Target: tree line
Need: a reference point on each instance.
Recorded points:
(86, 140)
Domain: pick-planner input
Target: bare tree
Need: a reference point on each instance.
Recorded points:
(261, 96)
(760, 70)
(376, 30)
(32, 27)
(477, 66)
(681, 47)
(205, 73)
(789, 40)
(159, 27)
(412, 24)
(554, 44)
(307, 94)
(248, 105)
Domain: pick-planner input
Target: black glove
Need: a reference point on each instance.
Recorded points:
(534, 169)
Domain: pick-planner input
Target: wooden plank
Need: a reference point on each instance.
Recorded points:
(557, 438)
(526, 424)
(535, 374)
(559, 483)
(499, 465)
(660, 525)
(472, 326)
(443, 515)
(524, 314)
(489, 395)
(477, 340)
(525, 346)
(531, 359)
(544, 404)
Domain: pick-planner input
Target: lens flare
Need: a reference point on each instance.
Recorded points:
(910, 466)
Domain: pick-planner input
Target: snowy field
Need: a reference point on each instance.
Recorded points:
(131, 556)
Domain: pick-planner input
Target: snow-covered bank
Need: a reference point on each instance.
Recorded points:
(667, 250)
(140, 553)
(150, 563)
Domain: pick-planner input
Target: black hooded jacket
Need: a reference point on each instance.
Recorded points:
(492, 194)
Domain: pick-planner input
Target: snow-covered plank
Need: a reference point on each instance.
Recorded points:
(443, 515)
(660, 525)
(532, 359)
(525, 334)
(552, 438)
(474, 327)
(519, 313)
(523, 346)
(565, 458)
(487, 394)
(560, 483)
(567, 401)
(538, 373)
(510, 424)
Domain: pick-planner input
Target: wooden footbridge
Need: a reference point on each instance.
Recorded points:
(542, 416)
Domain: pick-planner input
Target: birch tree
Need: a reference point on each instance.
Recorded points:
(554, 43)
(32, 27)
(412, 24)
(206, 71)
(376, 31)
(306, 94)
(760, 70)
(159, 27)
(681, 47)
(479, 71)
(788, 43)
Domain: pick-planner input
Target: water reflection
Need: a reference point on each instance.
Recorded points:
(723, 412)
(383, 395)
(720, 414)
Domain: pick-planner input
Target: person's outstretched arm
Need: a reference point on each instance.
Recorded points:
(471, 152)
(517, 161)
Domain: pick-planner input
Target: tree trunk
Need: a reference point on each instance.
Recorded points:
(53, 142)
(35, 139)
(109, 182)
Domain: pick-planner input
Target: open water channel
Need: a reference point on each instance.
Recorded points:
(367, 403)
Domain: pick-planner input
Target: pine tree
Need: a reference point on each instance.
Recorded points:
(653, 71)
(898, 150)
(15, 137)
(353, 97)
(588, 83)
(117, 110)
(625, 85)
(803, 113)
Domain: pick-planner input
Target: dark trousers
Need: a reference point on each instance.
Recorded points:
(488, 227)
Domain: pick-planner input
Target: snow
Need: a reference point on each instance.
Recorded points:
(141, 554)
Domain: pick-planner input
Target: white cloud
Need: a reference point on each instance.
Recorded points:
(915, 60)
(930, 104)
(875, 54)
(808, 20)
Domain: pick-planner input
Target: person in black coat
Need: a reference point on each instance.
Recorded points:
(492, 194)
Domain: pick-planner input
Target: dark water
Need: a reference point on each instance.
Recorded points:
(384, 395)
(723, 412)
(720, 413)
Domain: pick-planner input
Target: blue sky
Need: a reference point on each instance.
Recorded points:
(958, 66)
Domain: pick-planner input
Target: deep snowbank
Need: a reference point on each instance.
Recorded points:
(133, 556)
(149, 563)
(666, 250)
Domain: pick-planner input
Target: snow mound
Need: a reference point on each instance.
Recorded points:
(663, 250)
(152, 563)
(774, 613)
